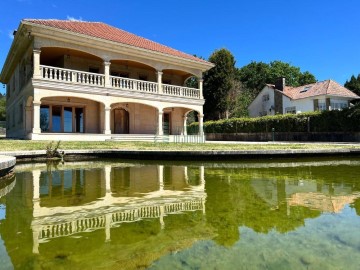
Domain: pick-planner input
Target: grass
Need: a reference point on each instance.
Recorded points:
(19, 145)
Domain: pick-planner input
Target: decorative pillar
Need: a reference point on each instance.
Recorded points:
(201, 124)
(159, 81)
(28, 119)
(107, 121)
(36, 57)
(107, 74)
(108, 219)
(184, 125)
(160, 123)
(108, 178)
(201, 81)
(36, 118)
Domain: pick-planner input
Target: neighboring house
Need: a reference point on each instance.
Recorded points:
(74, 80)
(281, 99)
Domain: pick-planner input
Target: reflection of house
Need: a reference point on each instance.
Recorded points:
(322, 202)
(67, 202)
(279, 98)
(65, 78)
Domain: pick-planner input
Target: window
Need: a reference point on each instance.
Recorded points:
(338, 105)
(61, 119)
(44, 118)
(290, 110)
(306, 88)
(322, 106)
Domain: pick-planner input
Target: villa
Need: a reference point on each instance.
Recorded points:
(319, 96)
(76, 80)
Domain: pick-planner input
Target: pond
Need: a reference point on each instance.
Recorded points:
(121, 214)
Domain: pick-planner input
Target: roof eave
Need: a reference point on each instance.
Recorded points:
(202, 65)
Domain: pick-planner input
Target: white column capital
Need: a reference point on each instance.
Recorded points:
(106, 63)
(37, 51)
(159, 72)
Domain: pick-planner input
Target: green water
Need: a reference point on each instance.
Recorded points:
(118, 214)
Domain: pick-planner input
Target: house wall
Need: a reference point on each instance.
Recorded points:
(260, 107)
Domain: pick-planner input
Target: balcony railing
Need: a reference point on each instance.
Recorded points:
(120, 83)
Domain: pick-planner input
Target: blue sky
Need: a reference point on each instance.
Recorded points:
(321, 36)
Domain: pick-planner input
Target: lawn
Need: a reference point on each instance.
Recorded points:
(16, 145)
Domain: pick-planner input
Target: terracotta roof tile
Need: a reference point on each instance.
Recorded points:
(328, 87)
(107, 32)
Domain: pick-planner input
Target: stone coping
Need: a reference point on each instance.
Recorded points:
(7, 163)
(185, 154)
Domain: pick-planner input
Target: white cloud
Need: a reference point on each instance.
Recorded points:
(10, 34)
(70, 18)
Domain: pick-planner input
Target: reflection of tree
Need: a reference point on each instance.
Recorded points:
(44, 120)
(233, 201)
(356, 205)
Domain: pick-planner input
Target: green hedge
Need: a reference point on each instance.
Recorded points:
(347, 120)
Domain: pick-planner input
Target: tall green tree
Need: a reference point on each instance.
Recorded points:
(353, 84)
(2, 108)
(256, 74)
(217, 84)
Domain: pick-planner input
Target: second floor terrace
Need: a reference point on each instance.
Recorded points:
(100, 56)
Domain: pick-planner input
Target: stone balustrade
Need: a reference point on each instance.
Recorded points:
(174, 90)
(73, 76)
(120, 83)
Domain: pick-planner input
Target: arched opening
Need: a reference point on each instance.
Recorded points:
(176, 77)
(71, 59)
(132, 70)
(133, 118)
(70, 115)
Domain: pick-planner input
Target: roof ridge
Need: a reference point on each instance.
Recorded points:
(59, 20)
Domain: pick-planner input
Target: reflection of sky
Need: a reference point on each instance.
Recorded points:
(2, 211)
(56, 123)
(330, 241)
(5, 262)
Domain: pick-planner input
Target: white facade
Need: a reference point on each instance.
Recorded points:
(60, 88)
(263, 104)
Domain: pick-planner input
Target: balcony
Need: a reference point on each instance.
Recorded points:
(117, 83)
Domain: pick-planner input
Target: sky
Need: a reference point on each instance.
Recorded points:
(319, 36)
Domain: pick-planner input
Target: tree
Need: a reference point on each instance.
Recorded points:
(353, 84)
(2, 108)
(256, 74)
(217, 84)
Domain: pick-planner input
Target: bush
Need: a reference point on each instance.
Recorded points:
(347, 120)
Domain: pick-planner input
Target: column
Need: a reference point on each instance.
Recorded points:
(36, 56)
(201, 81)
(160, 123)
(107, 121)
(107, 74)
(159, 81)
(201, 124)
(36, 118)
(184, 125)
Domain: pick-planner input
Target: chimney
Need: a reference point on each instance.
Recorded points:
(280, 83)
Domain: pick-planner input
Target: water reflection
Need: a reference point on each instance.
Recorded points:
(132, 214)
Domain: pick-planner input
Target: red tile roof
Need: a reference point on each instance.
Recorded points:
(328, 87)
(107, 32)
